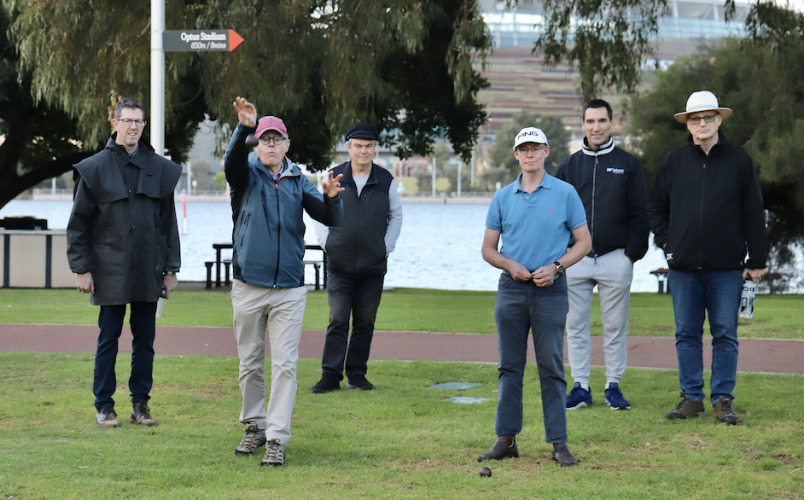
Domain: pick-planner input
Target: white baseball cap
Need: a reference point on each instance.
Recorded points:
(702, 101)
(530, 134)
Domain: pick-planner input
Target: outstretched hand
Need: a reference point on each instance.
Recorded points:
(332, 187)
(246, 112)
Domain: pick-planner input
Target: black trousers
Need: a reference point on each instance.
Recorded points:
(143, 329)
(358, 297)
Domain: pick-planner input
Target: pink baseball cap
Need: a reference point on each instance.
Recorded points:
(270, 123)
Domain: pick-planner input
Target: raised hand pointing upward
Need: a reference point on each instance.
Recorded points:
(246, 112)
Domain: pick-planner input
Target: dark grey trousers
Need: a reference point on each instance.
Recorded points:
(357, 297)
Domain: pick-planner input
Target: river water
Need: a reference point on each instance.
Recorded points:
(439, 246)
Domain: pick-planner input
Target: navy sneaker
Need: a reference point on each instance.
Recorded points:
(579, 397)
(615, 399)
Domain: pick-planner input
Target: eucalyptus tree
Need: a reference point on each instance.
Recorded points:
(408, 66)
(761, 77)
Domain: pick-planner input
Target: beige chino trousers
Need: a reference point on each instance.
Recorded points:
(282, 311)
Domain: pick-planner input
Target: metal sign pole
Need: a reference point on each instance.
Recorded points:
(157, 117)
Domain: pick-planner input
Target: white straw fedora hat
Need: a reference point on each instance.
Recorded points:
(702, 101)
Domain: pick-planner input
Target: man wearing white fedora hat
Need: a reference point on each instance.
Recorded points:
(706, 212)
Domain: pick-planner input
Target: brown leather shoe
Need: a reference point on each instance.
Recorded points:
(504, 447)
(141, 415)
(724, 412)
(562, 455)
(687, 408)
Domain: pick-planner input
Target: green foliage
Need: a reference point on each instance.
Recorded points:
(220, 180)
(402, 440)
(406, 66)
(424, 181)
(501, 154)
(605, 39)
(767, 119)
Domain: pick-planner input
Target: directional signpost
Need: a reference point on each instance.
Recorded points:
(176, 41)
(201, 40)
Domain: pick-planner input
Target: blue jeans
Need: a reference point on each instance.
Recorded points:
(357, 297)
(718, 294)
(143, 329)
(522, 306)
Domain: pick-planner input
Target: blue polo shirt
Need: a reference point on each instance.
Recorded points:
(535, 228)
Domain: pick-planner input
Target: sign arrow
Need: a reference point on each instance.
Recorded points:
(234, 40)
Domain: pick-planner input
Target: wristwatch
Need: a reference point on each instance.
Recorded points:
(559, 268)
(170, 273)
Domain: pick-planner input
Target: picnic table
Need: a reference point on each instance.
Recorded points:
(317, 264)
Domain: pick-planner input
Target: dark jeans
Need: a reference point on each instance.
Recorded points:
(523, 306)
(143, 329)
(359, 297)
(718, 294)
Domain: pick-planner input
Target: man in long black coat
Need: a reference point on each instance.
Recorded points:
(123, 244)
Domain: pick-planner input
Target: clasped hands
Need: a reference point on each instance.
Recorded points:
(542, 277)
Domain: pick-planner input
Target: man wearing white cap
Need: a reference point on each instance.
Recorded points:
(269, 193)
(535, 217)
(706, 212)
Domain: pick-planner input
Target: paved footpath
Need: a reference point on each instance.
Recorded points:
(756, 355)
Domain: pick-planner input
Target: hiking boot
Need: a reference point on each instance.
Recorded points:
(504, 447)
(107, 418)
(724, 412)
(274, 454)
(687, 408)
(327, 383)
(615, 399)
(141, 415)
(253, 439)
(579, 397)
(360, 383)
(562, 455)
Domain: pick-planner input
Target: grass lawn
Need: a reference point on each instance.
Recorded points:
(407, 309)
(401, 440)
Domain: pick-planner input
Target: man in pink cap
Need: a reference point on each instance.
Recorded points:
(269, 193)
(706, 212)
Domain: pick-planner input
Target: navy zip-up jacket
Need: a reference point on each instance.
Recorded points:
(611, 185)
(268, 233)
(708, 209)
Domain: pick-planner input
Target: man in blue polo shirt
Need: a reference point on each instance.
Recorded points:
(534, 216)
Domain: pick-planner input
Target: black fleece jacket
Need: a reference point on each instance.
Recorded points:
(611, 185)
(708, 209)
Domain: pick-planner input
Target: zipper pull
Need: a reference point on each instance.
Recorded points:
(276, 185)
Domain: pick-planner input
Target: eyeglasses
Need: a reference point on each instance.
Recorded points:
(531, 150)
(695, 120)
(278, 141)
(128, 123)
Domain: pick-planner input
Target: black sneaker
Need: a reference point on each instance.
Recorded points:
(360, 383)
(327, 383)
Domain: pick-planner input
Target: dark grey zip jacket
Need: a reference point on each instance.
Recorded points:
(126, 240)
(357, 245)
(611, 185)
(708, 209)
